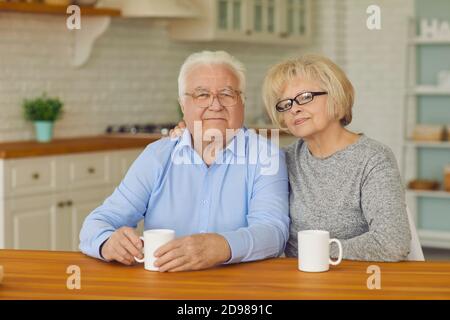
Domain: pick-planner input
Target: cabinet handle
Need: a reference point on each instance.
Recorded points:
(60, 204)
(91, 170)
(35, 176)
(69, 203)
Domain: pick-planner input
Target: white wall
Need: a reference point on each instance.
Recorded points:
(131, 75)
(376, 64)
(130, 78)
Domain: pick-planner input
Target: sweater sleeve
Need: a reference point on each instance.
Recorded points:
(383, 206)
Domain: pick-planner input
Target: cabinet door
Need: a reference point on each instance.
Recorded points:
(222, 15)
(31, 176)
(38, 223)
(123, 161)
(80, 204)
(51, 222)
(258, 16)
(264, 17)
(283, 22)
(295, 22)
(62, 226)
(231, 17)
(88, 169)
(28, 223)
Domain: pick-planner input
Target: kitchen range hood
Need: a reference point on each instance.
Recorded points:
(153, 8)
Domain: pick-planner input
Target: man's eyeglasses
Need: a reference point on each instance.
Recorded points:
(300, 99)
(204, 99)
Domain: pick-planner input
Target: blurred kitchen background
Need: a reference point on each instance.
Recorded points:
(117, 80)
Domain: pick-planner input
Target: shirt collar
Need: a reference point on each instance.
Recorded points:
(185, 140)
(238, 149)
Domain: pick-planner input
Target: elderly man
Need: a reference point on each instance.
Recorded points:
(226, 211)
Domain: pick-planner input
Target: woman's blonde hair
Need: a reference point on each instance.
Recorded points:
(310, 67)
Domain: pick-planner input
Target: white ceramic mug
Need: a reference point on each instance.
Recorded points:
(314, 251)
(153, 240)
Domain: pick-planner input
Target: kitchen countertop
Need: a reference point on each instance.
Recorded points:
(105, 142)
(43, 275)
(23, 149)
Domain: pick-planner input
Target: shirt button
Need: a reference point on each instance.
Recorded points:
(205, 201)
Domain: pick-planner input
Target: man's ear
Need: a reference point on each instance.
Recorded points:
(181, 105)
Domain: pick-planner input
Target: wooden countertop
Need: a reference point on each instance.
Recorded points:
(42, 275)
(22, 149)
(44, 8)
(31, 148)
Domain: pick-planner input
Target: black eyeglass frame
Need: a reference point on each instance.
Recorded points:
(313, 94)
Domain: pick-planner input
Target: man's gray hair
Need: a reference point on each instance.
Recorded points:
(210, 58)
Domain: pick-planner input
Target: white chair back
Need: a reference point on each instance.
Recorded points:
(415, 253)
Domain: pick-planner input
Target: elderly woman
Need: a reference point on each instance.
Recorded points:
(340, 181)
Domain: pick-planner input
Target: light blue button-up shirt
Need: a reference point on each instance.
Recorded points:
(243, 196)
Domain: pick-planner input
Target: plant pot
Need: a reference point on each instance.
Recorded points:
(44, 130)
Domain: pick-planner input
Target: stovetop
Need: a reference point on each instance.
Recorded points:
(140, 129)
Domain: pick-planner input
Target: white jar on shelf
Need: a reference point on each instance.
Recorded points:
(447, 178)
(444, 79)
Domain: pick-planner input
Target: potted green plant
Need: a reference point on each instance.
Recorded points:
(43, 111)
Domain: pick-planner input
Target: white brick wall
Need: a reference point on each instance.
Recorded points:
(375, 63)
(131, 75)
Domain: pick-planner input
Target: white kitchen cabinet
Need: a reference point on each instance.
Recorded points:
(218, 20)
(29, 222)
(295, 19)
(51, 222)
(89, 170)
(124, 159)
(259, 21)
(79, 206)
(30, 176)
(44, 200)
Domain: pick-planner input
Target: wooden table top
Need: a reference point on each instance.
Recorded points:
(42, 275)
(22, 149)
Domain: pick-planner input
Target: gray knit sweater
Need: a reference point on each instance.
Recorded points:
(356, 194)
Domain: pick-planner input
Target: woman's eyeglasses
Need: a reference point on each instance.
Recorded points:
(300, 99)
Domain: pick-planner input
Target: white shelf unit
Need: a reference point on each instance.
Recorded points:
(427, 144)
(428, 238)
(425, 41)
(430, 194)
(430, 90)
(434, 239)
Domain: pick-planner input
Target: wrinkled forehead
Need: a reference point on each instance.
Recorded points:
(211, 77)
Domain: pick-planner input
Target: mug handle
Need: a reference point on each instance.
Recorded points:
(339, 259)
(143, 259)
